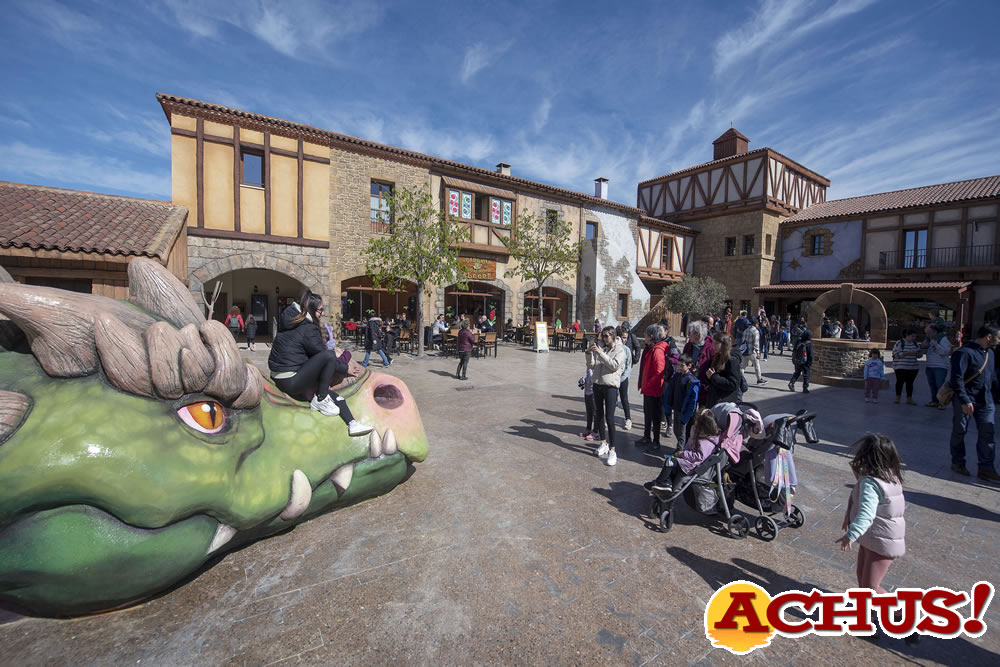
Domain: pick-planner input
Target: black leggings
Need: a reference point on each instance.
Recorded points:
(588, 400)
(316, 376)
(905, 376)
(652, 417)
(463, 364)
(605, 397)
(623, 395)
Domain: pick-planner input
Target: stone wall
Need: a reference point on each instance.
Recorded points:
(209, 258)
(840, 362)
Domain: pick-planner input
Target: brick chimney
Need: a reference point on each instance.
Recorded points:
(731, 143)
(503, 169)
(601, 188)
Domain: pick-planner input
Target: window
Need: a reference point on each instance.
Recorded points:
(748, 244)
(591, 230)
(623, 305)
(252, 168)
(915, 249)
(551, 218)
(818, 245)
(484, 208)
(730, 246)
(667, 253)
(767, 244)
(381, 216)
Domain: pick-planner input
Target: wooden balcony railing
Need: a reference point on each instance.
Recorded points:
(938, 258)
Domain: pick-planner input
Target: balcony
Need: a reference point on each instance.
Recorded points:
(939, 258)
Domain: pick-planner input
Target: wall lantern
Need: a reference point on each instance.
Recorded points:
(254, 289)
(277, 290)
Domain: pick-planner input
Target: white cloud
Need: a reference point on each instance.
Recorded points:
(16, 122)
(480, 55)
(60, 18)
(86, 170)
(147, 132)
(304, 29)
(541, 117)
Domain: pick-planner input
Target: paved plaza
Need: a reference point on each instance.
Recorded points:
(513, 543)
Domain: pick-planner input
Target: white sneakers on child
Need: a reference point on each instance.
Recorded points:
(612, 459)
(358, 428)
(325, 407)
(603, 449)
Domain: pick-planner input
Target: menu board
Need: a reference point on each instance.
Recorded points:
(541, 337)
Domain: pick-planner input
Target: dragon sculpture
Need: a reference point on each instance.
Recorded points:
(136, 445)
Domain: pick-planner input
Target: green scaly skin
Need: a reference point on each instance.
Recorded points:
(107, 498)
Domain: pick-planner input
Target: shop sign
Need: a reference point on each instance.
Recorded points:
(478, 269)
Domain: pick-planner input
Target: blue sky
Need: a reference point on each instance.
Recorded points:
(874, 95)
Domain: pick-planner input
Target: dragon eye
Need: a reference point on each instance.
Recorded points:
(204, 416)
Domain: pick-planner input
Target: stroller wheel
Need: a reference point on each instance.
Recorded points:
(739, 527)
(666, 520)
(796, 518)
(657, 508)
(766, 528)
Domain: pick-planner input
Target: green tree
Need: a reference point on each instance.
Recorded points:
(695, 295)
(422, 247)
(542, 248)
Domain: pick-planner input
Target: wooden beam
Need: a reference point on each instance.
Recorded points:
(267, 183)
(237, 177)
(31, 272)
(200, 170)
(299, 192)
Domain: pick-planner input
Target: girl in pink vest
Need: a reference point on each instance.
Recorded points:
(874, 515)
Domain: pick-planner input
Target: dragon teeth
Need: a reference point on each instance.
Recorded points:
(299, 498)
(341, 477)
(374, 445)
(223, 534)
(389, 443)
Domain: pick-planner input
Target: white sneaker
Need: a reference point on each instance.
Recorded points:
(612, 459)
(358, 428)
(603, 449)
(628, 424)
(326, 406)
(867, 400)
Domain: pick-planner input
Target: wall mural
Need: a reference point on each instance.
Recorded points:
(136, 445)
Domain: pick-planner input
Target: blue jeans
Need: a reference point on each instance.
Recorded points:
(985, 442)
(936, 378)
(381, 353)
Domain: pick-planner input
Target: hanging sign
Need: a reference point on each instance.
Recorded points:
(478, 269)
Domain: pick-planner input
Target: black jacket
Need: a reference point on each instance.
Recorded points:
(373, 336)
(294, 346)
(725, 384)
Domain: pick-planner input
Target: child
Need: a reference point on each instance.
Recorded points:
(681, 398)
(587, 384)
(251, 331)
(874, 372)
(874, 515)
(802, 360)
(705, 437)
(782, 339)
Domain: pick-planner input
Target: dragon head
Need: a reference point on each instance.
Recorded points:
(135, 445)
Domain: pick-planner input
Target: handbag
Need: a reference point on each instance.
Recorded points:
(946, 393)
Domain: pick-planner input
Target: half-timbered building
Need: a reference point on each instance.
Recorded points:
(736, 202)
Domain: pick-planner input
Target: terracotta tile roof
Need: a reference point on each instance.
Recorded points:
(822, 287)
(43, 218)
(329, 138)
(945, 193)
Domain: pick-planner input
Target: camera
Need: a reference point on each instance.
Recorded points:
(581, 383)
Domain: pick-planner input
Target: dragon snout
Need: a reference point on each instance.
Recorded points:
(388, 396)
(391, 406)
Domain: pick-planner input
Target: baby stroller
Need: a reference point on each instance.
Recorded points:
(721, 479)
(701, 488)
(764, 479)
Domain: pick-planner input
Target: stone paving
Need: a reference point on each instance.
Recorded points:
(513, 543)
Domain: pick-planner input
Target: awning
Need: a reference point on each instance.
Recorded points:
(940, 286)
(461, 184)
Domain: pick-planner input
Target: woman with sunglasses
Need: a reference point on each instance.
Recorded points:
(607, 362)
(303, 368)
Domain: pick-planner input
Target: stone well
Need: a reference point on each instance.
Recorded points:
(838, 362)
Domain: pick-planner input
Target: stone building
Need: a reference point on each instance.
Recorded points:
(737, 202)
(278, 206)
(931, 249)
(83, 241)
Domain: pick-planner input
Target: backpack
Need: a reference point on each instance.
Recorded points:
(672, 350)
(744, 346)
(800, 355)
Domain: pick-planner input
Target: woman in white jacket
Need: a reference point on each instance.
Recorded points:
(607, 362)
(938, 349)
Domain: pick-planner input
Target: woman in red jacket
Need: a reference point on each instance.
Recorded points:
(651, 367)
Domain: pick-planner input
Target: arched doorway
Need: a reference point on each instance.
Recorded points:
(360, 298)
(261, 292)
(477, 299)
(554, 305)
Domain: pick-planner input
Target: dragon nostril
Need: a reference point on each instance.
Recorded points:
(388, 396)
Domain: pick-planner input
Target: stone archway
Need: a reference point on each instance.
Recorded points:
(553, 283)
(847, 294)
(236, 262)
(508, 297)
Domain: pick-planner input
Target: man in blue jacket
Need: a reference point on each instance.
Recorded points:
(971, 378)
